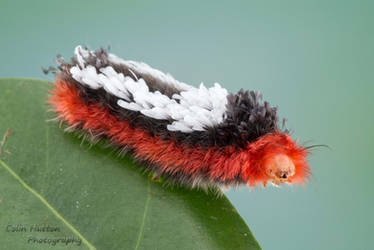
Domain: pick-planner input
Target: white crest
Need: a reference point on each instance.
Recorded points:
(193, 109)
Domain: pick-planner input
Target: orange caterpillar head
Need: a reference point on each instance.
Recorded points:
(277, 159)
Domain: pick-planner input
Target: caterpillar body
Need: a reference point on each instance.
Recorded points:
(194, 136)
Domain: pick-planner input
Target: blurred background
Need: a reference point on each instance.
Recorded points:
(313, 59)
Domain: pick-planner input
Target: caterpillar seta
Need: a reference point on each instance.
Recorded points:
(192, 136)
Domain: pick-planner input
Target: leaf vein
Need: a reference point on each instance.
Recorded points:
(141, 229)
(49, 206)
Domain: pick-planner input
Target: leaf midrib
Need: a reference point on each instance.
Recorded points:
(49, 206)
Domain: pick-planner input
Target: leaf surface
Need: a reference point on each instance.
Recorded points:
(90, 195)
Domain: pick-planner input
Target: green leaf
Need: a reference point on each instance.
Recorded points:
(49, 178)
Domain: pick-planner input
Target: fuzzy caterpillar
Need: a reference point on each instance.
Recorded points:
(197, 137)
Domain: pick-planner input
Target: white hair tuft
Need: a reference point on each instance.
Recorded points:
(192, 109)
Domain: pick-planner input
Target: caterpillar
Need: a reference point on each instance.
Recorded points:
(197, 137)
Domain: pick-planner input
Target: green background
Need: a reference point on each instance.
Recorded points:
(313, 59)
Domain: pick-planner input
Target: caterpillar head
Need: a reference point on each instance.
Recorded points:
(279, 168)
(277, 159)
